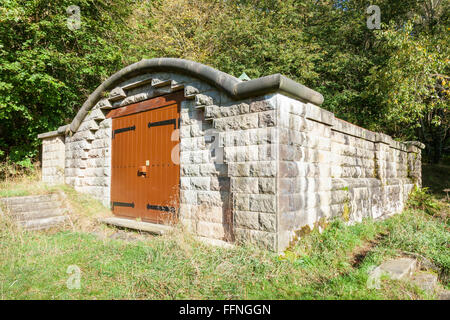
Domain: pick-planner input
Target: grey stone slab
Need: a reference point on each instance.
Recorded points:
(126, 236)
(444, 295)
(38, 214)
(44, 223)
(399, 268)
(426, 281)
(48, 134)
(33, 206)
(215, 242)
(154, 228)
(30, 199)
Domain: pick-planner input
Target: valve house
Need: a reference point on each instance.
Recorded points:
(172, 141)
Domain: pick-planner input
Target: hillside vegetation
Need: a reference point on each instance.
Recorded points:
(334, 264)
(393, 80)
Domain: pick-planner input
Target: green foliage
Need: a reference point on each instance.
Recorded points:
(174, 266)
(411, 85)
(393, 80)
(436, 178)
(421, 199)
(48, 70)
(10, 170)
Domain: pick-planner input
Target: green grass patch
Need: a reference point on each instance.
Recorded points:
(334, 264)
(175, 266)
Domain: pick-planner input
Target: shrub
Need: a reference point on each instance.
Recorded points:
(421, 199)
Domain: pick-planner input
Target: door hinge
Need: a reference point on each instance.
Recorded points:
(123, 130)
(123, 204)
(163, 123)
(161, 208)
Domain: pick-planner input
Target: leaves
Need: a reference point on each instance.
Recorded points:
(46, 68)
(393, 80)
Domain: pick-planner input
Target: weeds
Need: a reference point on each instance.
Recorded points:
(334, 264)
(421, 199)
(176, 266)
(10, 171)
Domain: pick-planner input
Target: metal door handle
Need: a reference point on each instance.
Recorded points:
(142, 171)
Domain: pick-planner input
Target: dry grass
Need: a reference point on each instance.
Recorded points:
(83, 209)
(177, 266)
(22, 182)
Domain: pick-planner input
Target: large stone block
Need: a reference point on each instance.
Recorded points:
(246, 220)
(244, 185)
(267, 185)
(258, 238)
(262, 203)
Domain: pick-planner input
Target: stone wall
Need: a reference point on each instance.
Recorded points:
(227, 168)
(88, 155)
(247, 131)
(260, 170)
(331, 168)
(53, 157)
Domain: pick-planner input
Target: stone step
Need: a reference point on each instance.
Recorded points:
(399, 268)
(154, 228)
(215, 242)
(444, 295)
(425, 281)
(37, 214)
(44, 223)
(33, 206)
(406, 269)
(30, 199)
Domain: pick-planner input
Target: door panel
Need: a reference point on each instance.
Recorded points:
(143, 142)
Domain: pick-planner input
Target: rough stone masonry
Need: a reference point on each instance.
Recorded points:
(260, 161)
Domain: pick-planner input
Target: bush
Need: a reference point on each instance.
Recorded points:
(421, 199)
(10, 170)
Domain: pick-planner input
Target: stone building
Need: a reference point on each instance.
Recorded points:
(256, 161)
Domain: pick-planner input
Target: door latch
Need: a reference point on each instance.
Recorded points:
(142, 171)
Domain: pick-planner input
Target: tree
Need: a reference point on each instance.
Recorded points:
(47, 70)
(393, 80)
(412, 84)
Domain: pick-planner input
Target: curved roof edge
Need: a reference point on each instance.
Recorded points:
(234, 87)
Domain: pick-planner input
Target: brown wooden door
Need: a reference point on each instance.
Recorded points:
(144, 177)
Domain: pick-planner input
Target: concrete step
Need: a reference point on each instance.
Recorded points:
(154, 228)
(33, 206)
(30, 199)
(44, 223)
(406, 269)
(399, 268)
(38, 214)
(425, 281)
(444, 295)
(215, 242)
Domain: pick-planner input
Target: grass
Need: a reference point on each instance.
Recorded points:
(29, 183)
(176, 266)
(24, 184)
(334, 264)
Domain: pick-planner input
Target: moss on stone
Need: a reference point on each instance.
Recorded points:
(346, 212)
